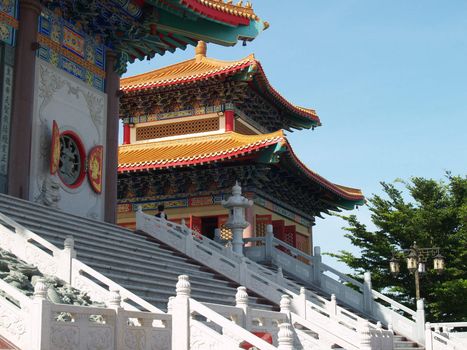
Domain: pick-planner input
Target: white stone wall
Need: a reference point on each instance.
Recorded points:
(77, 107)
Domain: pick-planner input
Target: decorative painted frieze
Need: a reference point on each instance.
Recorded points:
(8, 21)
(67, 47)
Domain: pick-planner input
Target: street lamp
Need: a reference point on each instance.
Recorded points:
(416, 262)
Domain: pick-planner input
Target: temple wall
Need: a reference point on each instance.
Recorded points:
(76, 107)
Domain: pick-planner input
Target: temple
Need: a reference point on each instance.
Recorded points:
(60, 66)
(191, 130)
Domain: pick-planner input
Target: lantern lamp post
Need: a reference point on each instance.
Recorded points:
(416, 259)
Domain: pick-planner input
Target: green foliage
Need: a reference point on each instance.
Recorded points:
(432, 213)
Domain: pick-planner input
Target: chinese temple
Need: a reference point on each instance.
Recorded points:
(192, 129)
(60, 66)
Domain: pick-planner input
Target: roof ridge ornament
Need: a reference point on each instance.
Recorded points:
(200, 50)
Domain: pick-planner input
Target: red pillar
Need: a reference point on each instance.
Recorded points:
(23, 100)
(112, 85)
(229, 120)
(126, 134)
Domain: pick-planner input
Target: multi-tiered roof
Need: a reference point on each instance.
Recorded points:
(263, 159)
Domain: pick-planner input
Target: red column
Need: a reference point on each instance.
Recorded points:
(126, 134)
(112, 85)
(23, 100)
(229, 120)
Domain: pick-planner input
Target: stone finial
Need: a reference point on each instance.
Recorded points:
(40, 289)
(241, 298)
(285, 303)
(379, 326)
(302, 291)
(115, 299)
(69, 242)
(183, 286)
(420, 304)
(200, 50)
(237, 189)
(139, 209)
(390, 329)
(285, 337)
(333, 298)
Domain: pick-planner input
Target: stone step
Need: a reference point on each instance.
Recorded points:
(156, 281)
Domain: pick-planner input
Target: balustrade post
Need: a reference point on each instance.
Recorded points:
(420, 321)
(367, 293)
(115, 302)
(241, 301)
(285, 304)
(428, 337)
(139, 218)
(41, 317)
(285, 337)
(364, 333)
(268, 244)
(317, 259)
(181, 315)
(67, 255)
(332, 306)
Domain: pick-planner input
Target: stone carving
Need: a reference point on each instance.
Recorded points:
(200, 340)
(100, 339)
(39, 257)
(11, 322)
(50, 193)
(135, 339)
(49, 84)
(24, 276)
(65, 337)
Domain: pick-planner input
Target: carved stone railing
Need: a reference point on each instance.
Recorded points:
(253, 276)
(37, 324)
(15, 313)
(362, 297)
(439, 336)
(63, 264)
(202, 326)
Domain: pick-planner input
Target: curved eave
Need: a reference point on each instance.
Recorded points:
(221, 12)
(189, 79)
(348, 198)
(194, 159)
(305, 118)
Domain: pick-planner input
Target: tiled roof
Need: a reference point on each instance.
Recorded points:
(196, 150)
(349, 193)
(203, 68)
(212, 148)
(184, 72)
(239, 9)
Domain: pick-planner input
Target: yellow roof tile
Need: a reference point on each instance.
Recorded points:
(202, 149)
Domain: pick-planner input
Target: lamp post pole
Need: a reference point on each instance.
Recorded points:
(416, 262)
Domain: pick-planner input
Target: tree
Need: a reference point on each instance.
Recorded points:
(432, 213)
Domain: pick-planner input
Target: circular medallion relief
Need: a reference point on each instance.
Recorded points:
(71, 165)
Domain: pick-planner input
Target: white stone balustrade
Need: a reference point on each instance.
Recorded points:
(405, 321)
(38, 324)
(305, 304)
(439, 336)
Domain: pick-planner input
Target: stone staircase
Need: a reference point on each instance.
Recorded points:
(141, 264)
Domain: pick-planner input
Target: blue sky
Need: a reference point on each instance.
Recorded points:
(387, 78)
